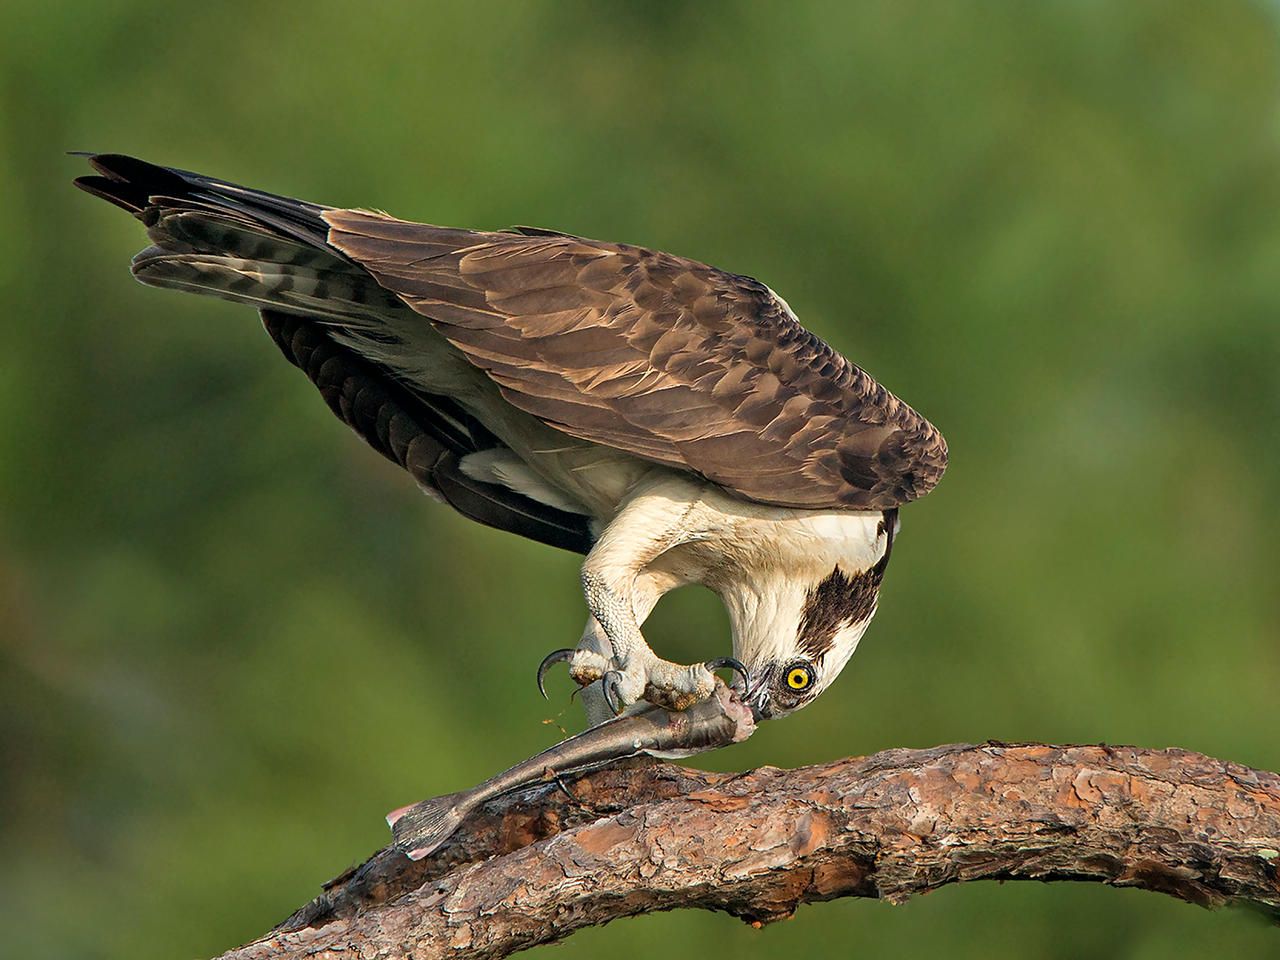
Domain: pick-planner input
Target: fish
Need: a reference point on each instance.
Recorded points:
(420, 829)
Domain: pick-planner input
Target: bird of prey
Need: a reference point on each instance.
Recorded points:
(671, 421)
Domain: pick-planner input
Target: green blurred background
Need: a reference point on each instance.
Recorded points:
(232, 637)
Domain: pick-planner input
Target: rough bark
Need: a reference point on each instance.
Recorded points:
(644, 836)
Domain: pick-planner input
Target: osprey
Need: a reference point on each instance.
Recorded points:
(671, 421)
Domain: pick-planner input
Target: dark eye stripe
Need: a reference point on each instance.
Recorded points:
(833, 604)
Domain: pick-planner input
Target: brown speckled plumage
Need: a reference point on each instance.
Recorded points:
(652, 354)
(659, 356)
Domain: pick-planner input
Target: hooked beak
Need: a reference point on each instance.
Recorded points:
(751, 690)
(756, 696)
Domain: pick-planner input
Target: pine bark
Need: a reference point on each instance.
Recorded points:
(643, 836)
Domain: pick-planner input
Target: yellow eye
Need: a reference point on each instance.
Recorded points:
(798, 678)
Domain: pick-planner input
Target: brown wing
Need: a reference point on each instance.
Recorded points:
(659, 356)
(219, 238)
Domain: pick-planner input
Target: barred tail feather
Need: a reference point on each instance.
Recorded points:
(199, 227)
(336, 294)
(420, 829)
(238, 244)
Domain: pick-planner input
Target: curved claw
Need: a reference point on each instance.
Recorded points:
(549, 661)
(720, 663)
(609, 687)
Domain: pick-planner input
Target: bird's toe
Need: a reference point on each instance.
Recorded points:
(585, 666)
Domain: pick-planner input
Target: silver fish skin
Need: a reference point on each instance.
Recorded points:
(421, 828)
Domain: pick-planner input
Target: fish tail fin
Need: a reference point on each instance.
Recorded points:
(420, 828)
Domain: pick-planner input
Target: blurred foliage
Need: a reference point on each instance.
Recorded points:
(231, 637)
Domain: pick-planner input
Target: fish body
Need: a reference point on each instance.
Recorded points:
(420, 828)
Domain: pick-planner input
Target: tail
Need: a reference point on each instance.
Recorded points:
(216, 238)
(421, 828)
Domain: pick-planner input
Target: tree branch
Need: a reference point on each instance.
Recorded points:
(643, 836)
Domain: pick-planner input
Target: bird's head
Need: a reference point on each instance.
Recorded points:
(796, 634)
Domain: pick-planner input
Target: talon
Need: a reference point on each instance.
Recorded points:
(549, 661)
(720, 663)
(609, 687)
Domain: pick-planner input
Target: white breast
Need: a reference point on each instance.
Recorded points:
(736, 539)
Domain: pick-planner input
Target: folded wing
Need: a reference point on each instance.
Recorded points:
(658, 356)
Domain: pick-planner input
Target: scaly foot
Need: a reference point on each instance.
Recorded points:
(651, 678)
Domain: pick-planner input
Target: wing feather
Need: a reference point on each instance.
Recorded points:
(658, 356)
